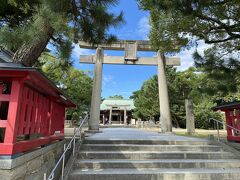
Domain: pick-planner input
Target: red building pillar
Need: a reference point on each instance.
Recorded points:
(13, 110)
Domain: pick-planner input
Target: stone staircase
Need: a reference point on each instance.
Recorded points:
(128, 159)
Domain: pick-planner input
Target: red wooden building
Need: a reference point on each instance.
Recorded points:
(32, 109)
(232, 113)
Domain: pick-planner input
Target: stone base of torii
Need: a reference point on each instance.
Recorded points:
(130, 58)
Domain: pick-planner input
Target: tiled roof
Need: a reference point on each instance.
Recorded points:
(225, 106)
(5, 55)
(120, 103)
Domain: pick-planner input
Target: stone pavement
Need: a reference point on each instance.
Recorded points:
(69, 131)
(136, 134)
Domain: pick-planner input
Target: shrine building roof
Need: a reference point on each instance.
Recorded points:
(120, 104)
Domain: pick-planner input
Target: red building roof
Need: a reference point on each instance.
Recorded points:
(227, 106)
(36, 80)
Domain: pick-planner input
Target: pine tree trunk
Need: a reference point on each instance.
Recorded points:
(28, 54)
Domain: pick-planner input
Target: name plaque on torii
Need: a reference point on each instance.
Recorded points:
(130, 47)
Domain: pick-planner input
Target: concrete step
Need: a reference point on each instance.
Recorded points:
(156, 174)
(147, 142)
(163, 148)
(234, 145)
(142, 155)
(153, 163)
(129, 154)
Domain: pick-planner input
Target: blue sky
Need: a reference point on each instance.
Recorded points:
(125, 79)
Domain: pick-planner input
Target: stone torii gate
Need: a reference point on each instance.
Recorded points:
(130, 58)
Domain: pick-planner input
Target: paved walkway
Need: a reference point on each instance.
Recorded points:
(69, 131)
(132, 133)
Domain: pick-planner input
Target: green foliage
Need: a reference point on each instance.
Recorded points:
(183, 85)
(146, 100)
(203, 112)
(30, 24)
(221, 74)
(16, 12)
(116, 97)
(179, 24)
(74, 83)
(176, 22)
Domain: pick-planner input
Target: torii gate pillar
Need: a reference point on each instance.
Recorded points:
(96, 91)
(165, 116)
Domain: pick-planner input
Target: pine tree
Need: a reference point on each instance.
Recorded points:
(27, 27)
(176, 22)
(221, 73)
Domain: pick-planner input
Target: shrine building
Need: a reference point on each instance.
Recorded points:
(116, 111)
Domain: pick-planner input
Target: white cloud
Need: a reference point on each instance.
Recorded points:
(126, 34)
(186, 55)
(143, 27)
(201, 46)
(186, 61)
(108, 80)
(77, 51)
(126, 92)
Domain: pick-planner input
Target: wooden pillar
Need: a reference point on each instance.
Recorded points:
(110, 116)
(13, 111)
(120, 117)
(190, 122)
(125, 116)
(62, 110)
(103, 119)
(229, 122)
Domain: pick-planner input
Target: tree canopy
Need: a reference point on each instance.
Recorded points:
(188, 84)
(28, 26)
(76, 84)
(116, 97)
(177, 23)
(146, 99)
(221, 75)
